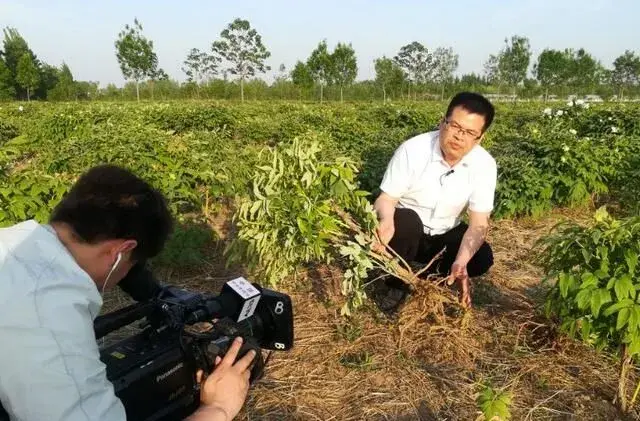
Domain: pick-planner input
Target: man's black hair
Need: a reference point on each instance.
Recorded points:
(475, 104)
(109, 202)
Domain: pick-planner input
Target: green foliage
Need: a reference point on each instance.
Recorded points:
(30, 195)
(626, 71)
(415, 60)
(293, 215)
(344, 66)
(494, 404)
(389, 76)
(7, 90)
(200, 66)
(7, 132)
(301, 75)
(27, 74)
(185, 247)
(135, 54)
(565, 159)
(594, 270)
(513, 60)
(242, 47)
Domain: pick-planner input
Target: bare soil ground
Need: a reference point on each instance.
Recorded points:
(372, 367)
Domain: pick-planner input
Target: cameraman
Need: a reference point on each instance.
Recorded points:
(51, 280)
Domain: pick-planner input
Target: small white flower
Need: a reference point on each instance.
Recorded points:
(547, 111)
(580, 102)
(21, 108)
(573, 131)
(559, 113)
(563, 159)
(565, 148)
(586, 105)
(610, 118)
(614, 129)
(570, 104)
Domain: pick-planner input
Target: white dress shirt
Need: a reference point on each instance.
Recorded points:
(422, 180)
(50, 368)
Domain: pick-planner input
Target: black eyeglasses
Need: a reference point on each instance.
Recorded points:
(466, 133)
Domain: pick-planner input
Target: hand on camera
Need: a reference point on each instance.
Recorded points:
(226, 388)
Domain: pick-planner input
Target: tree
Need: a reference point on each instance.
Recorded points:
(65, 89)
(13, 48)
(388, 75)
(301, 76)
(585, 72)
(416, 62)
(552, 69)
(49, 78)
(491, 70)
(242, 47)
(321, 66)
(200, 66)
(135, 55)
(513, 61)
(156, 74)
(27, 74)
(445, 62)
(7, 90)
(626, 71)
(344, 66)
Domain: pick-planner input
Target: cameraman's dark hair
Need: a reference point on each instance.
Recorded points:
(473, 103)
(109, 202)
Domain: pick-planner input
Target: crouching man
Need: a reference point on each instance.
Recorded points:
(431, 179)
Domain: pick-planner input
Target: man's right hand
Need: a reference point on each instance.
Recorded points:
(385, 231)
(385, 208)
(223, 393)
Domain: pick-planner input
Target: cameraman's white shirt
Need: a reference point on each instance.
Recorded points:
(50, 368)
(421, 179)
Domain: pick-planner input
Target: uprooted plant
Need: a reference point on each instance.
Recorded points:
(304, 206)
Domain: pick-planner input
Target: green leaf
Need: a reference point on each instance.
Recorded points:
(623, 318)
(624, 288)
(631, 257)
(598, 299)
(588, 281)
(617, 306)
(583, 298)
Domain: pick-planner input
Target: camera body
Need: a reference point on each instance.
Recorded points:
(154, 371)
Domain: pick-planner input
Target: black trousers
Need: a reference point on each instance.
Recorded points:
(413, 245)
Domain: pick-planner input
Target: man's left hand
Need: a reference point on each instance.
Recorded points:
(459, 272)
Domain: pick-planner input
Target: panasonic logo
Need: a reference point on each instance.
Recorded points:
(166, 374)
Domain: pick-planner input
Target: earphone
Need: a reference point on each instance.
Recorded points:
(115, 265)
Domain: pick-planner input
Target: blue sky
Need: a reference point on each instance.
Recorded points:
(82, 33)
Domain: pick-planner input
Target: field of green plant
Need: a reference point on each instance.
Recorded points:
(296, 181)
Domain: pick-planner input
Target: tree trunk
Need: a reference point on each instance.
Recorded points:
(28, 95)
(138, 90)
(321, 92)
(384, 95)
(241, 89)
(625, 365)
(341, 98)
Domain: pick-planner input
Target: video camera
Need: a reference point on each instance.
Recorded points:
(154, 371)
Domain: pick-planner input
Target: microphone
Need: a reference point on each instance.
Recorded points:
(448, 173)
